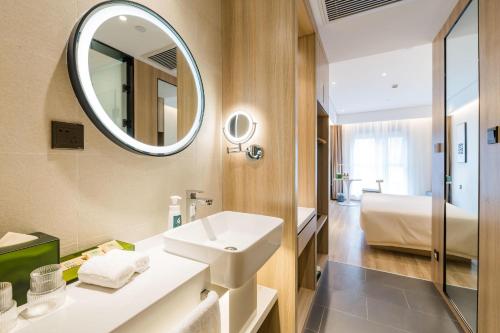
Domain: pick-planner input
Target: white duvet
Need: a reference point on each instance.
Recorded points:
(406, 222)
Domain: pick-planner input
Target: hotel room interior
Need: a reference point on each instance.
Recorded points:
(234, 166)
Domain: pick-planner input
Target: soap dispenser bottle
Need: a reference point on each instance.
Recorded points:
(174, 212)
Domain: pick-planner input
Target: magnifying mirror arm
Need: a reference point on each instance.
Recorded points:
(254, 152)
(235, 149)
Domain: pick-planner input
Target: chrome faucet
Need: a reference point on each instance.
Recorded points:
(192, 202)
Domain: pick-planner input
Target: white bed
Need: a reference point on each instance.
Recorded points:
(405, 222)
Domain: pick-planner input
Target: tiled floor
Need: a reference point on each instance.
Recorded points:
(352, 299)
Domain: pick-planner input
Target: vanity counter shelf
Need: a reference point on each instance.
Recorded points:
(169, 280)
(304, 215)
(306, 227)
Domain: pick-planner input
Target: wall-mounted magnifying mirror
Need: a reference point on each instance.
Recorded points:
(238, 129)
(136, 79)
(462, 165)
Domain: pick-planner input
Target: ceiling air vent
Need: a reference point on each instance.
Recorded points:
(336, 9)
(166, 58)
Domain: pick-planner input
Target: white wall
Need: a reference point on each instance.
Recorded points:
(465, 187)
(103, 192)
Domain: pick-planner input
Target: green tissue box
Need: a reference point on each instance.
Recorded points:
(18, 261)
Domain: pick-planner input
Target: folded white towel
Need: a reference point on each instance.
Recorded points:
(139, 260)
(106, 272)
(205, 318)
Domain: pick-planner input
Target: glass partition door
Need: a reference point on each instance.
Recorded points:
(462, 165)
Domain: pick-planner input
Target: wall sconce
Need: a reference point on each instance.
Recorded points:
(239, 129)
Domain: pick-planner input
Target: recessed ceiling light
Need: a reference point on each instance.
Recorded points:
(123, 18)
(384, 74)
(334, 83)
(140, 28)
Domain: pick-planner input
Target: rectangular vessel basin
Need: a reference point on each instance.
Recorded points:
(235, 245)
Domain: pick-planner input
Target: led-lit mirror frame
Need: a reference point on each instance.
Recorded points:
(78, 67)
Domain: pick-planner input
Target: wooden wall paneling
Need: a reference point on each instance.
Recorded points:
(307, 265)
(259, 49)
(323, 194)
(489, 209)
(438, 135)
(306, 105)
(271, 323)
(186, 97)
(438, 158)
(322, 241)
(304, 21)
(146, 100)
(307, 281)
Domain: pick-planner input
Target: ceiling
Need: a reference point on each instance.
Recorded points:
(395, 39)
(136, 37)
(365, 84)
(126, 37)
(396, 26)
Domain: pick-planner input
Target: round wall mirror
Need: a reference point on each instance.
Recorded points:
(136, 79)
(239, 127)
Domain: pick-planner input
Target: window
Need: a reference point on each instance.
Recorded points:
(388, 151)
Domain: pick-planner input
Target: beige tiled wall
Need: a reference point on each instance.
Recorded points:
(104, 192)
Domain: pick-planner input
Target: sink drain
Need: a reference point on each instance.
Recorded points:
(230, 248)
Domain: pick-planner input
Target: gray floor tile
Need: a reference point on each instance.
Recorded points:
(384, 293)
(407, 319)
(466, 300)
(349, 301)
(402, 282)
(432, 305)
(422, 323)
(337, 322)
(315, 315)
(342, 277)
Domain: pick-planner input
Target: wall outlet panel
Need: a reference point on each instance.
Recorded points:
(67, 135)
(493, 135)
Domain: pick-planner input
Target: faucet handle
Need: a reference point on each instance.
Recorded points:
(192, 193)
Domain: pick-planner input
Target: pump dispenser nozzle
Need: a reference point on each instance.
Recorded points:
(175, 199)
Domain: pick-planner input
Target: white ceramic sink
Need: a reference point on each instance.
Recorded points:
(235, 245)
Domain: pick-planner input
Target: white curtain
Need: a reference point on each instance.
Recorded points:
(398, 152)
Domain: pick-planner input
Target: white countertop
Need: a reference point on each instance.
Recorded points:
(304, 215)
(95, 309)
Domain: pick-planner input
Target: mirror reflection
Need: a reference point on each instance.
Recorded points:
(142, 80)
(462, 164)
(239, 127)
